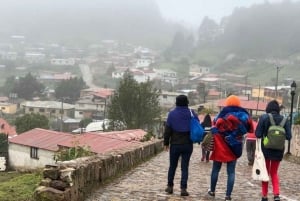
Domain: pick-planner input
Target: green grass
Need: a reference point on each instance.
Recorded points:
(16, 186)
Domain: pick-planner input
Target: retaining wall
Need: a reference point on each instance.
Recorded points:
(74, 180)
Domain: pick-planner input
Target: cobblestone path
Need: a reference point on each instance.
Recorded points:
(148, 181)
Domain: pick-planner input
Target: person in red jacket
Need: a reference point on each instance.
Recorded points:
(229, 128)
(251, 145)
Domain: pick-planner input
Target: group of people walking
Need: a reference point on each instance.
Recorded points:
(229, 129)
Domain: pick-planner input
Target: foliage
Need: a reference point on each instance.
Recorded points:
(3, 143)
(16, 186)
(31, 121)
(149, 135)
(70, 89)
(135, 104)
(66, 154)
(84, 122)
(25, 87)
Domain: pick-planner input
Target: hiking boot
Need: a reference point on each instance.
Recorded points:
(210, 193)
(227, 198)
(169, 189)
(264, 199)
(276, 198)
(184, 192)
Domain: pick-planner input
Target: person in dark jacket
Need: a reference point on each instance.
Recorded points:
(177, 141)
(272, 156)
(206, 124)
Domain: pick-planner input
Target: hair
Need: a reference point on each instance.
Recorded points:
(206, 121)
(273, 106)
(182, 100)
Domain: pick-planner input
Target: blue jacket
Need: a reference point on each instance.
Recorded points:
(177, 129)
(262, 130)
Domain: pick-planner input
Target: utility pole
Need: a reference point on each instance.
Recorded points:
(276, 84)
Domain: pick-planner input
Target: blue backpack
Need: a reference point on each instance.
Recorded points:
(196, 129)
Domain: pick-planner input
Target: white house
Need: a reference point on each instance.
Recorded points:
(166, 75)
(37, 147)
(167, 99)
(143, 63)
(63, 62)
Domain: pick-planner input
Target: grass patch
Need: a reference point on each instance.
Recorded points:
(15, 186)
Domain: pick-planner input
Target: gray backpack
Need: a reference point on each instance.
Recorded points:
(276, 136)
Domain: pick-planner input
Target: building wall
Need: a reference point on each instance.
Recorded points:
(19, 157)
(8, 108)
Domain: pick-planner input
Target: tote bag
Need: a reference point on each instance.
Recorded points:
(259, 169)
(196, 130)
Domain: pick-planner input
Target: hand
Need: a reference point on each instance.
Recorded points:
(166, 148)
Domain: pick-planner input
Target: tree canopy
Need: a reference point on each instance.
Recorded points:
(31, 121)
(70, 89)
(25, 87)
(134, 104)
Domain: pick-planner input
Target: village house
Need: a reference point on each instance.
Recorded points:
(36, 148)
(50, 109)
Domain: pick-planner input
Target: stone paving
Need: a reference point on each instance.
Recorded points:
(148, 181)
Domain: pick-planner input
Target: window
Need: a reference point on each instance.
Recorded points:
(34, 152)
(42, 110)
(31, 109)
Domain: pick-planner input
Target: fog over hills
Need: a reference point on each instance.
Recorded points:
(77, 21)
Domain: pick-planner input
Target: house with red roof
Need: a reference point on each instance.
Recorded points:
(37, 147)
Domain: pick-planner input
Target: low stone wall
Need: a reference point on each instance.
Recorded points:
(74, 180)
(295, 142)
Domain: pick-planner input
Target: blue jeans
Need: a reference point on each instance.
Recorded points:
(185, 151)
(230, 176)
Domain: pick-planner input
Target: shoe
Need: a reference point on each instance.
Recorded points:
(276, 198)
(250, 163)
(227, 198)
(184, 192)
(207, 161)
(169, 189)
(264, 199)
(210, 193)
(202, 159)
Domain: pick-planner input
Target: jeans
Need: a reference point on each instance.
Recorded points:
(250, 147)
(184, 151)
(230, 176)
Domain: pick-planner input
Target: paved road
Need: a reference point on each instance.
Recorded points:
(148, 181)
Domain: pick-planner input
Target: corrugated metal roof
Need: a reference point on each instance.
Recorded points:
(7, 129)
(252, 105)
(98, 142)
(41, 138)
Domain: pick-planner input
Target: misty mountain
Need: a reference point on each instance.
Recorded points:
(263, 30)
(81, 22)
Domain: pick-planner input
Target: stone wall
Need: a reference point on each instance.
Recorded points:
(74, 180)
(295, 142)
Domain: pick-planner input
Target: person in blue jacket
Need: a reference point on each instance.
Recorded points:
(272, 156)
(177, 141)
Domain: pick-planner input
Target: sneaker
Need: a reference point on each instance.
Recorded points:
(169, 189)
(276, 198)
(227, 198)
(264, 199)
(184, 192)
(210, 193)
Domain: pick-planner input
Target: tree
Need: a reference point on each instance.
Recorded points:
(134, 104)
(26, 87)
(31, 121)
(70, 89)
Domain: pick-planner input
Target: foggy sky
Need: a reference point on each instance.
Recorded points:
(193, 11)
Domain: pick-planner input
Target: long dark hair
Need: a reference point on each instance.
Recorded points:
(206, 121)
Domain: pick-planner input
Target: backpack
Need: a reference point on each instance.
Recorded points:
(196, 130)
(275, 138)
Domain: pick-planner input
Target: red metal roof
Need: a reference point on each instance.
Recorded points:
(247, 104)
(41, 138)
(98, 142)
(6, 128)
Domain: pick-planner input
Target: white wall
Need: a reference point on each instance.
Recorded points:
(19, 157)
